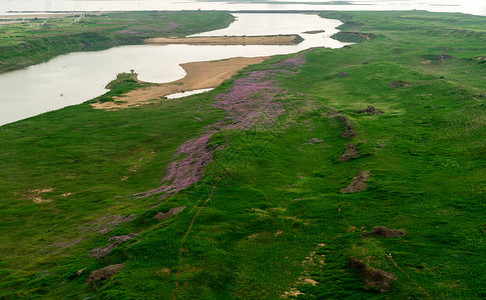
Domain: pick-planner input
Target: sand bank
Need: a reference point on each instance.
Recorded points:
(229, 40)
(200, 75)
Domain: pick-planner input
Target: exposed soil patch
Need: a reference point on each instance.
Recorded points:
(229, 40)
(313, 141)
(166, 271)
(350, 153)
(35, 195)
(200, 75)
(343, 74)
(398, 84)
(104, 273)
(385, 232)
(358, 183)
(172, 212)
(349, 129)
(373, 278)
(311, 263)
(115, 242)
(292, 293)
(369, 110)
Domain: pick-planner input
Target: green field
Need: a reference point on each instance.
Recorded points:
(256, 163)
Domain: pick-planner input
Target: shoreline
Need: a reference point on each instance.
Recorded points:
(199, 75)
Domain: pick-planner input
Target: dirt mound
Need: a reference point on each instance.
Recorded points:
(349, 153)
(398, 84)
(356, 264)
(349, 129)
(358, 183)
(172, 212)
(385, 232)
(369, 110)
(104, 273)
(373, 278)
(115, 242)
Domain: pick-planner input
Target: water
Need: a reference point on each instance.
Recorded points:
(188, 93)
(477, 7)
(76, 77)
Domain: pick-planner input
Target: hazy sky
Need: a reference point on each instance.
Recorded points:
(477, 7)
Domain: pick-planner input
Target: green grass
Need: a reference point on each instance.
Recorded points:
(268, 201)
(38, 40)
(123, 83)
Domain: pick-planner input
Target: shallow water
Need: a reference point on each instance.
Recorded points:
(187, 93)
(76, 77)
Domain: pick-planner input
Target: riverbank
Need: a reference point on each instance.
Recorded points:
(200, 75)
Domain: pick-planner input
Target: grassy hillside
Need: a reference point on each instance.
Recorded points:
(38, 40)
(270, 185)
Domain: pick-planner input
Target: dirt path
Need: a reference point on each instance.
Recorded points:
(228, 40)
(411, 279)
(181, 249)
(200, 75)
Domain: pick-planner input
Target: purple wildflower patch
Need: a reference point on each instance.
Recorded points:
(190, 169)
(127, 32)
(169, 27)
(292, 62)
(250, 101)
(107, 224)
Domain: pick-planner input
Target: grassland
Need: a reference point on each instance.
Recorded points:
(264, 212)
(41, 39)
